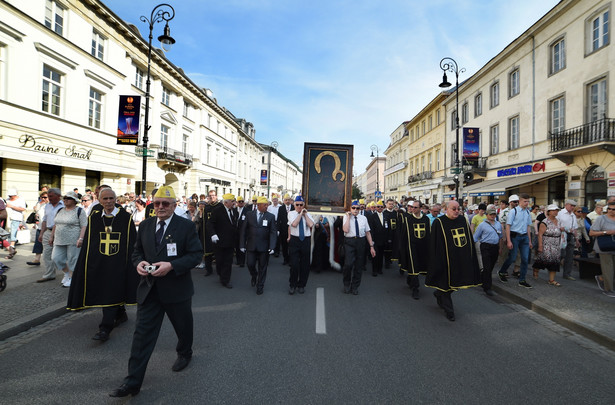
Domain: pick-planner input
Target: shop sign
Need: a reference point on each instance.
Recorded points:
(611, 183)
(575, 185)
(610, 192)
(611, 174)
(44, 145)
(488, 193)
(525, 169)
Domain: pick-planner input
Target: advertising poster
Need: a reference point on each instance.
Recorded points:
(471, 144)
(128, 120)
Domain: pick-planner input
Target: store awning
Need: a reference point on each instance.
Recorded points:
(499, 186)
(487, 187)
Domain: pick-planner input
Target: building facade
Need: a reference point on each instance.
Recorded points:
(374, 178)
(395, 172)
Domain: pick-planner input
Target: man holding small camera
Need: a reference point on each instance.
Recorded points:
(166, 250)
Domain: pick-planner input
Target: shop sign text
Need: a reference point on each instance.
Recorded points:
(525, 169)
(44, 145)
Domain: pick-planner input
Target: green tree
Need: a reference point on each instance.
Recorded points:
(356, 193)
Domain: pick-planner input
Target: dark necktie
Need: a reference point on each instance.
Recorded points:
(260, 219)
(159, 233)
(301, 231)
(356, 226)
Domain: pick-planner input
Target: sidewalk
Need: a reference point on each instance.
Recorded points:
(577, 305)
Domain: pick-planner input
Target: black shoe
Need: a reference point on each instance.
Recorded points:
(228, 285)
(346, 290)
(524, 284)
(516, 274)
(489, 292)
(503, 277)
(291, 290)
(355, 292)
(253, 281)
(300, 290)
(276, 255)
(120, 320)
(415, 293)
(285, 262)
(101, 335)
(450, 316)
(208, 273)
(181, 363)
(124, 391)
(259, 291)
(33, 263)
(374, 274)
(438, 299)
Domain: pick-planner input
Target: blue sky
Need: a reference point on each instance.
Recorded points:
(334, 71)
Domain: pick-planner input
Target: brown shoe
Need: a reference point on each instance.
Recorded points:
(42, 280)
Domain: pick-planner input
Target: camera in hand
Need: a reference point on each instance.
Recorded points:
(150, 269)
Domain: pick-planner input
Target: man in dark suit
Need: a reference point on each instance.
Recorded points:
(257, 238)
(170, 245)
(283, 226)
(379, 226)
(222, 226)
(240, 214)
(252, 207)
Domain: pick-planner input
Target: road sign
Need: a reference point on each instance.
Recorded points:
(140, 151)
(378, 194)
(455, 170)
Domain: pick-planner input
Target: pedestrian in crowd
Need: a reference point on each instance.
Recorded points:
(191, 211)
(453, 262)
(568, 223)
(282, 225)
(414, 243)
(598, 210)
(208, 258)
(257, 240)
(356, 232)
(434, 212)
(170, 244)
(604, 225)
(588, 242)
(104, 275)
(379, 230)
(39, 210)
(86, 203)
(67, 236)
(513, 201)
(15, 207)
(517, 230)
(240, 213)
(222, 225)
(274, 208)
(300, 224)
(583, 239)
(425, 209)
(149, 207)
(130, 202)
(479, 217)
(138, 215)
(54, 205)
(391, 250)
(490, 236)
(549, 245)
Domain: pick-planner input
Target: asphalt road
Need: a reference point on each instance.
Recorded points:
(380, 347)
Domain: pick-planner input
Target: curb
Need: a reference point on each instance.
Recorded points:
(553, 315)
(21, 325)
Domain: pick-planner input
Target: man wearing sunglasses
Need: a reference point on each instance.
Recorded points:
(379, 229)
(300, 225)
(170, 245)
(356, 231)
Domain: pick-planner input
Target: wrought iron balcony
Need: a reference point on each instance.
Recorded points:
(420, 176)
(588, 134)
(175, 157)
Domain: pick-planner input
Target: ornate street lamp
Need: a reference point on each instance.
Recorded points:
(449, 65)
(162, 12)
(374, 148)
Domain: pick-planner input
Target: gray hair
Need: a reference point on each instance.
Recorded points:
(100, 192)
(55, 191)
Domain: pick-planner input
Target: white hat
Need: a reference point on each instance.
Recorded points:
(12, 191)
(73, 195)
(552, 207)
(513, 197)
(571, 202)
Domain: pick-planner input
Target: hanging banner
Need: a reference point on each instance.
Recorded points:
(471, 144)
(128, 120)
(264, 178)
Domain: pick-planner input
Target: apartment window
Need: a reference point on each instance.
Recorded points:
(208, 155)
(513, 81)
(598, 31)
(98, 45)
(185, 144)
(558, 56)
(424, 127)
(52, 90)
(412, 135)
(54, 17)
(453, 120)
(139, 78)
(513, 133)
(418, 133)
(494, 135)
(465, 113)
(430, 164)
(478, 105)
(494, 92)
(437, 159)
(187, 108)
(411, 168)
(95, 108)
(430, 123)
(558, 115)
(164, 136)
(422, 164)
(166, 96)
(596, 97)
(438, 117)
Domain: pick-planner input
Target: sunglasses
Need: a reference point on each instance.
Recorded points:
(165, 204)
(298, 205)
(354, 208)
(44, 197)
(610, 209)
(85, 200)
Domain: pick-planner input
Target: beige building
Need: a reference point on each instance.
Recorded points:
(395, 172)
(374, 178)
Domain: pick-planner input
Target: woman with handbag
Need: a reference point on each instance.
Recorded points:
(549, 245)
(603, 229)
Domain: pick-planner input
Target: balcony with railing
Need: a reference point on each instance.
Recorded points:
(420, 177)
(597, 135)
(174, 158)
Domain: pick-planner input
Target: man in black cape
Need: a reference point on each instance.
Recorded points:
(453, 261)
(414, 245)
(104, 275)
(209, 245)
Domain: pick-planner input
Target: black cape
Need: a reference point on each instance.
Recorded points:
(394, 221)
(104, 274)
(208, 244)
(414, 244)
(453, 262)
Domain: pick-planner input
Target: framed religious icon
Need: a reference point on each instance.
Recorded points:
(327, 177)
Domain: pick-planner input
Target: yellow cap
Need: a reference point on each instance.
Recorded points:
(228, 196)
(274, 195)
(362, 201)
(240, 198)
(286, 196)
(165, 192)
(262, 200)
(380, 202)
(371, 204)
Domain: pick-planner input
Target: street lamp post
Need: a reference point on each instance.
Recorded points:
(162, 12)
(449, 64)
(274, 145)
(374, 148)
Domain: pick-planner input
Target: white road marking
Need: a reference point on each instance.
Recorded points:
(321, 323)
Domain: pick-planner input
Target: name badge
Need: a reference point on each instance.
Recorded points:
(265, 222)
(171, 249)
(243, 217)
(386, 225)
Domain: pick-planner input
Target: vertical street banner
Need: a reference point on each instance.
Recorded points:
(327, 177)
(264, 178)
(128, 120)
(471, 144)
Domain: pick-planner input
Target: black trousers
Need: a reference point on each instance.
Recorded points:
(354, 263)
(110, 314)
(284, 245)
(262, 258)
(413, 281)
(446, 300)
(240, 256)
(489, 253)
(377, 261)
(299, 251)
(209, 260)
(224, 263)
(150, 315)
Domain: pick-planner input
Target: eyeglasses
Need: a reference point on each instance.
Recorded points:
(610, 209)
(455, 209)
(354, 208)
(44, 196)
(85, 200)
(165, 204)
(298, 205)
